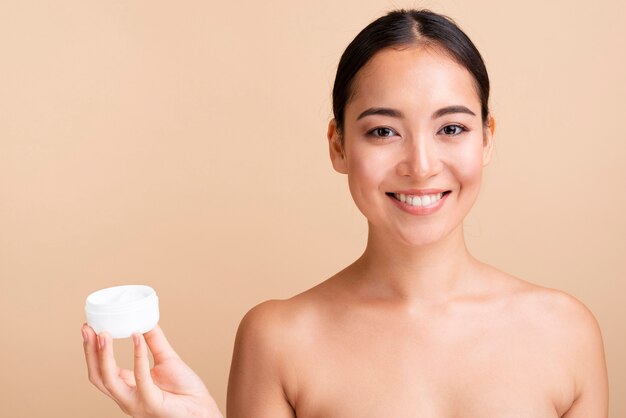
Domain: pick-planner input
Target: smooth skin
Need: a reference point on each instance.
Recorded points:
(416, 327)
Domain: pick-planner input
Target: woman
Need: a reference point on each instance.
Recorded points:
(416, 327)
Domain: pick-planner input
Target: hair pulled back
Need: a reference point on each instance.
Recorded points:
(407, 28)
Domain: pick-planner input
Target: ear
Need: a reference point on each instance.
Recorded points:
(488, 139)
(335, 148)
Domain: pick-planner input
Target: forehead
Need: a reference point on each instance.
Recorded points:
(418, 78)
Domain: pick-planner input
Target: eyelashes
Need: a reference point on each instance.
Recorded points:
(453, 130)
(382, 132)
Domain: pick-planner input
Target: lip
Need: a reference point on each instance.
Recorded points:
(420, 210)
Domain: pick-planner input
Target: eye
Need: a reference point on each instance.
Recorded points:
(382, 132)
(452, 130)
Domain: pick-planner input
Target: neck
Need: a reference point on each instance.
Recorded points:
(426, 274)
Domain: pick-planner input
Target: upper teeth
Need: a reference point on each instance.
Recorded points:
(424, 200)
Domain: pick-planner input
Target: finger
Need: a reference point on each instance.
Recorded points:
(111, 379)
(90, 346)
(146, 388)
(128, 376)
(159, 346)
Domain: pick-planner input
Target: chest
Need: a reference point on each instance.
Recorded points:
(430, 369)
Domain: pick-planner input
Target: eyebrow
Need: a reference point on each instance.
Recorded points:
(452, 109)
(385, 111)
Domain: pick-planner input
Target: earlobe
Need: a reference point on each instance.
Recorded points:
(335, 148)
(489, 140)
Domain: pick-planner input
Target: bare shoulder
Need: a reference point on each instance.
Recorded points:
(275, 318)
(267, 329)
(279, 324)
(261, 330)
(277, 330)
(564, 315)
(565, 327)
(262, 380)
(264, 320)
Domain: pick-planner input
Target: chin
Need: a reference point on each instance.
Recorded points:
(421, 236)
(421, 239)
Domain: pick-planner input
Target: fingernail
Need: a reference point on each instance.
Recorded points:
(136, 340)
(101, 342)
(85, 336)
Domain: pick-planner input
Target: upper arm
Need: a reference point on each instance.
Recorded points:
(589, 365)
(259, 369)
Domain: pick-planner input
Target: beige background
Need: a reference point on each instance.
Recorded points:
(182, 145)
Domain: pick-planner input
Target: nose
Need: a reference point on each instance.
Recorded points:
(420, 158)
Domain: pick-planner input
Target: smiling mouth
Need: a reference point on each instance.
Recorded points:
(418, 201)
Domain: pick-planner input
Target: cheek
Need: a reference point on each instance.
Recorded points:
(468, 166)
(367, 171)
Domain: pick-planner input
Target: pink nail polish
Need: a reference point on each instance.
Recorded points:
(85, 336)
(100, 342)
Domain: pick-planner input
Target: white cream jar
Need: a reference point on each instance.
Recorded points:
(123, 310)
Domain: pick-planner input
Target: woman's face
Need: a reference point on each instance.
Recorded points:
(414, 144)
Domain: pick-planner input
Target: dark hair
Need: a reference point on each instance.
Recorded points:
(405, 28)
